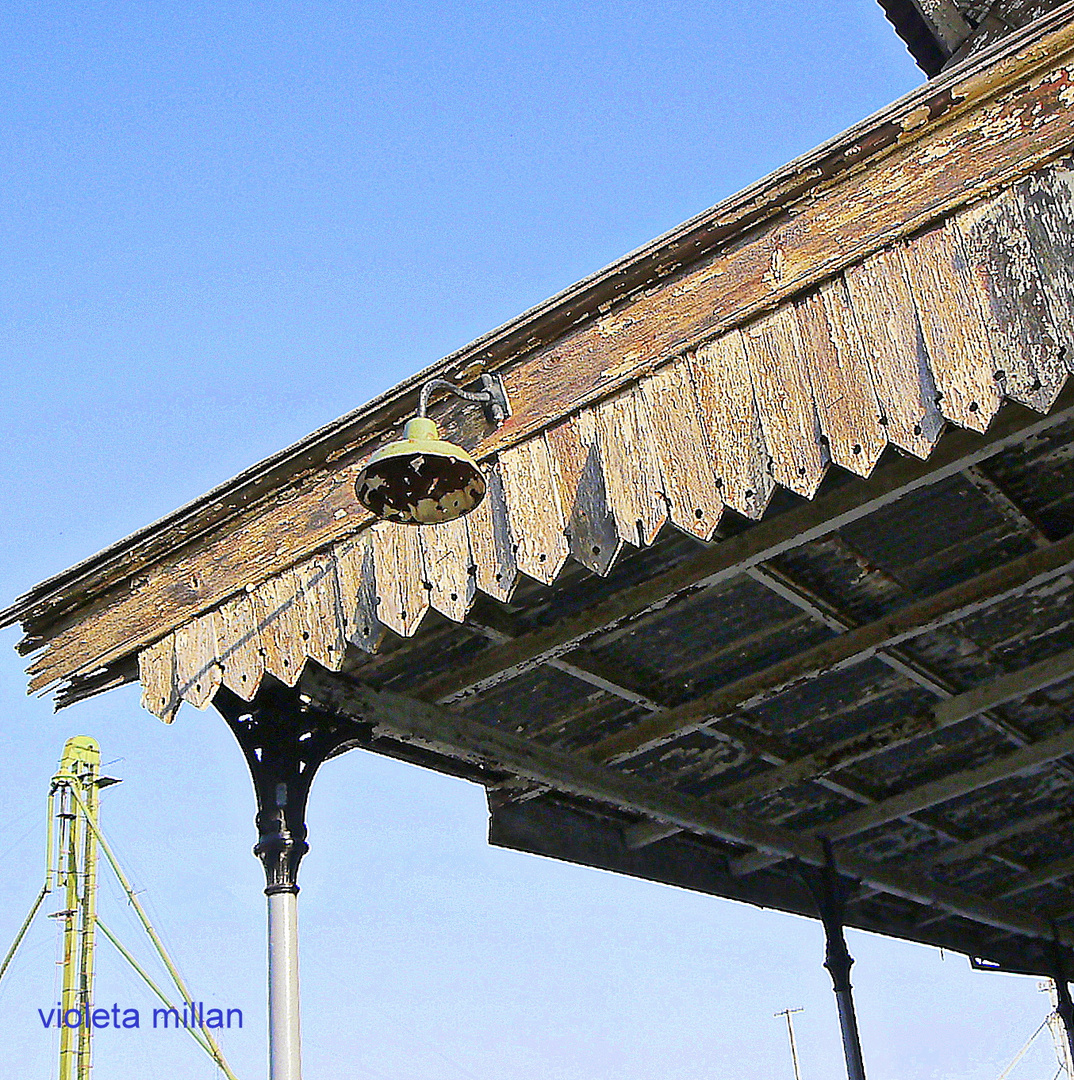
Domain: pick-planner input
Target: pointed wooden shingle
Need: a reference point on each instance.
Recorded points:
(156, 671)
(781, 383)
(887, 321)
(949, 308)
(318, 607)
(197, 671)
(492, 544)
(1048, 199)
(280, 622)
(357, 584)
(238, 646)
(632, 478)
(591, 530)
(730, 424)
(402, 596)
(449, 569)
(1025, 343)
(843, 392)
(535, 512)
(689, 479)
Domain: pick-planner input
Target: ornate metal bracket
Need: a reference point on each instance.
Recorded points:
(284, 741)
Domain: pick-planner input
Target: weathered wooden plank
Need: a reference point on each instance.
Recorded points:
(403, 598)
(591, 530)
(538, 523)
(197, 671)
(1048, 199)
(318, 607)
(737, 554)
(492, 544)
(985, 124)
(730, 424)
(843, 392)
(238, 646)
(789, 421)
(156, 670)
(891, 335)
(999, 123)
(632, 477)
(686, 467)
(278, 610)
(923, 616)
(356, 579)
(949, 309)
(445, 732)
(449, 567)
(1027, 348)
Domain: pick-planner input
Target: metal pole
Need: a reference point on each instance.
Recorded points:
(1064, 1006)
(285, 1038)
(284, 741)
(830, 892)
(790, 1034)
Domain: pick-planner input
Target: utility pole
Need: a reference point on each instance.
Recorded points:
(790, 1034)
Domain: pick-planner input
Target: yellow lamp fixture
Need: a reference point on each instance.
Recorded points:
(421, 479)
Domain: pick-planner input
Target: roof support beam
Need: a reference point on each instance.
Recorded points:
(892, 481)
(968, 597)
(446, 732)
(931, 794)
(846, 752)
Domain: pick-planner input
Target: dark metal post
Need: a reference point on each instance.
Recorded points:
(1064, 1005)
(284, 743)
(830, 892)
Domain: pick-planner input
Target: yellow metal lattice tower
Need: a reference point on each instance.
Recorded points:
(72, 864)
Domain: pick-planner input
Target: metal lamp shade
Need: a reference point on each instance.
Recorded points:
(420, 480)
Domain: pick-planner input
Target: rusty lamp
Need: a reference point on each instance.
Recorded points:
(422, 479)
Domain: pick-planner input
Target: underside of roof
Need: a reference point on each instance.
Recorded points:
(941, 32)
(777, 547)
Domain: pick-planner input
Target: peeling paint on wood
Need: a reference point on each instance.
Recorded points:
(197, 672)
(689, 479)
(238, 646)
(492, 544)
(400, 575)
(730, 424)
(952, 325)
(537, 519)
(591, 530)
(357, 581)
(631, 469)
(156, 670)
(449, 567)
(789, 422)
(842, 384)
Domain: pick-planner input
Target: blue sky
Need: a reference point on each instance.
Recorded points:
(224, 225)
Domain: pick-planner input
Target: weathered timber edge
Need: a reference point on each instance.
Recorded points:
(911, 118)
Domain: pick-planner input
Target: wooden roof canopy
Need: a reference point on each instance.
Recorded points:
(778, 543)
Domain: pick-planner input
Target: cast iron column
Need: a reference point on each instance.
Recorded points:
(284, 743)
(1064, 1005)
(830, 892)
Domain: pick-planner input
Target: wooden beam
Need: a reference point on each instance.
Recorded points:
(953, 710)
(1045, 875)
(445, 732)
(933, 793)
(553, 828)
(968, 597)
(722, 561)
(985, 842)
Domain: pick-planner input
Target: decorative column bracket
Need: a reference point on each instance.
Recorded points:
(831, 891)
(284, 740)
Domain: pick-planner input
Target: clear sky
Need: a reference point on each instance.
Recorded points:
(222, 225)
